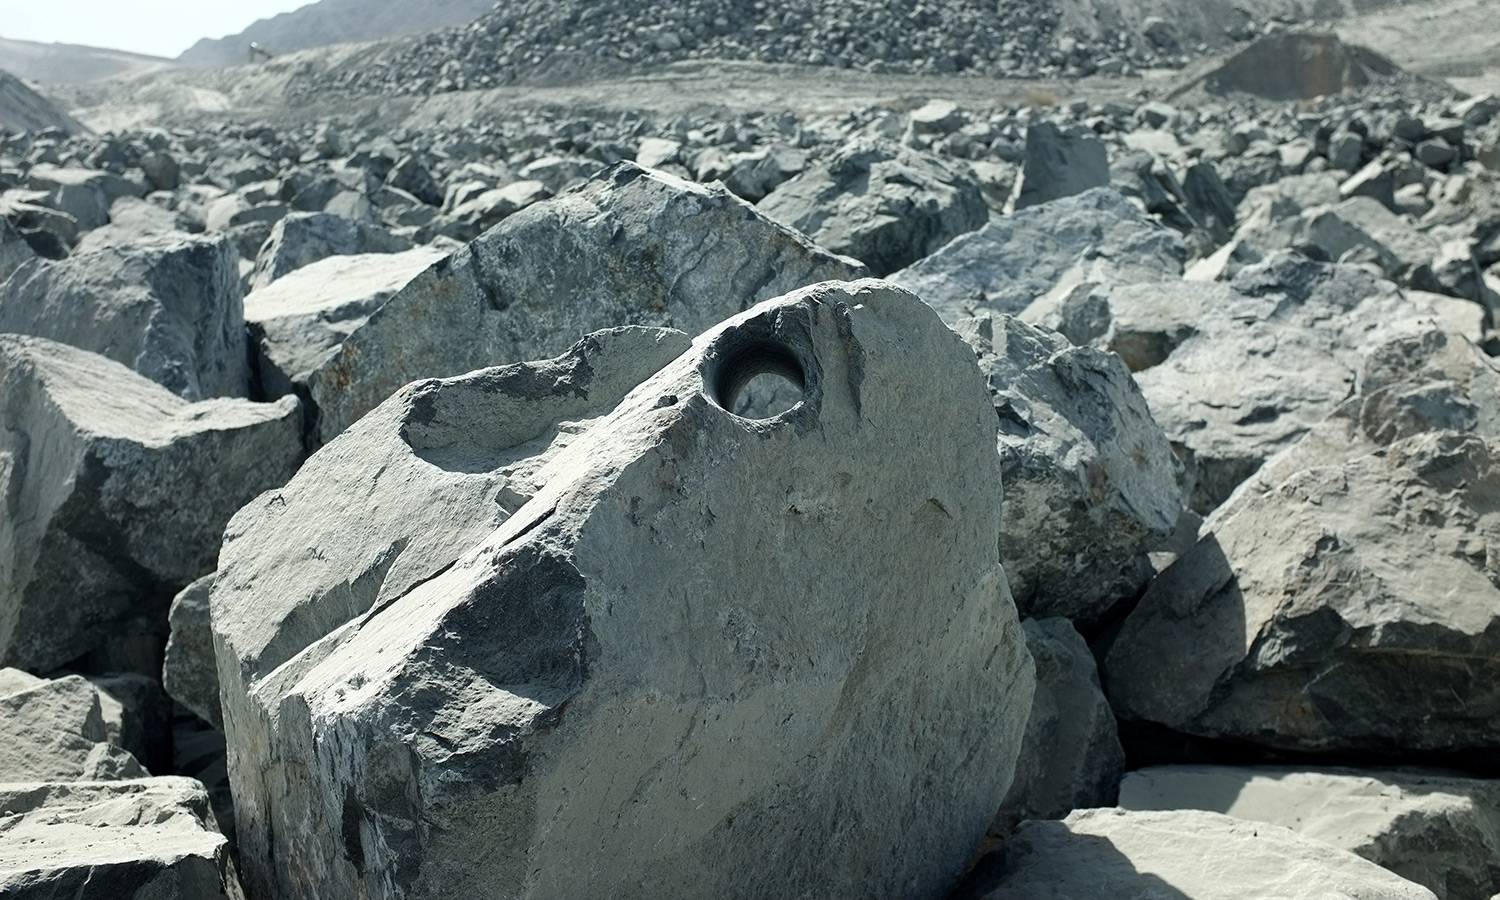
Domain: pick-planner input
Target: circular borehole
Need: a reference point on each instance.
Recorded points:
(759, 381)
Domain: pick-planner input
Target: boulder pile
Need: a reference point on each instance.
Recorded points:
(554, 506)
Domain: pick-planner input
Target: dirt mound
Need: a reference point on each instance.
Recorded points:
(22, 109)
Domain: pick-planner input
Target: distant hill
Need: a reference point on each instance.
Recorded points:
(334, 22)
(74, 63)
(22, 109)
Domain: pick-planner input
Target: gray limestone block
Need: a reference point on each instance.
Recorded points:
(1364, 224)
(189, 673)
(1090, 478)
(1058, 165)
(137, 716)
(1306, 617)
(13, 249)
(1177, 855)
(1439, 830)
(702, 655)
(1071, 757)
(169, 307)
(85, 194)
(148, 839)
(298, 321)
(117, 495)
(301, 238)
(880, 202)
(1269, 361)
(55, 731)
(1005, 266)
(1142, 323)
(630, 247)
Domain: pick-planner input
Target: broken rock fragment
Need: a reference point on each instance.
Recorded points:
(703, 649)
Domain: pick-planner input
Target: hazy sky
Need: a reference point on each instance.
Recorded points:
(157, 27)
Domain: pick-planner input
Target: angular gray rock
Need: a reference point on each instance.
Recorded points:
(1268, 364)
(1363, 225)
(1071, 757)
(55, 731)
(882, 203)
(1058, 165)
(1090, 479)
(1439, 831)
(1005, 266)
(189, 672)
(632, 247)
(298, 321)
(687, 593)
(13, 250)
(149, 839)
(302, 238)
(169, 307)
(1178, 855)
(85, 194)
(1142, 323)
(119, 492)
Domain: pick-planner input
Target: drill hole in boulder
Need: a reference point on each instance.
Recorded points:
(760, 380)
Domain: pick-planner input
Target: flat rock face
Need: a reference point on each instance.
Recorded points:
(882, 203)
(1441, 832)
(633, 247)
(1181, 855)
(149, 839)
(119, 492)
(1058, 165)
(169, 307)
(300, 319)
(811, 602)
(303, 238)
(1096, 236)
(1269, 361)
(55, 730)
(1090, 479)
(189, 673)
(1071, 757)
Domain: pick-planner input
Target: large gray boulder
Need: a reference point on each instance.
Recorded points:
(1305, 616)
(1178, 855)
(632, 247)
(168, 307)
(1096, 236)
(148, 839)
(880, 202)
(118, 494)
(55, 731)
(301, 238)
(1271, 360)
(298, 321)
(1142, 323)
(1440, 831)
(83, 193)
(189, 673)
(1058, 164)
(1090, 479)
(1071, 757)
(810, 604)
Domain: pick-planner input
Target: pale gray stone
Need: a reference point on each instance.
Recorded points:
(1090, 479)
(1177, 855)
(169, 307)
(303, 238)
(55, 731)
(882, 203)
(189, 672)
(119, 492)
(149, 839)
(633, 247)
(1005, 266)
(1440, 831)
(687, 594)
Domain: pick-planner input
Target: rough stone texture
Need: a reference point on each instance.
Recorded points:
(13, 250)
(1143, 323)
(631, 247)
(687, 593)
(152, 839)
(1071, 757)
(1363, 225)
(189, 672)
(1096, 236)
(168, 307)
(118, 492)
(55, 730)
(1179, 855)
(882, 203)
(302, 238)
(298, 321)
(1058, 165)
(1269, 362)
(1439, 831)
(1090, 479)
(137, 716)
